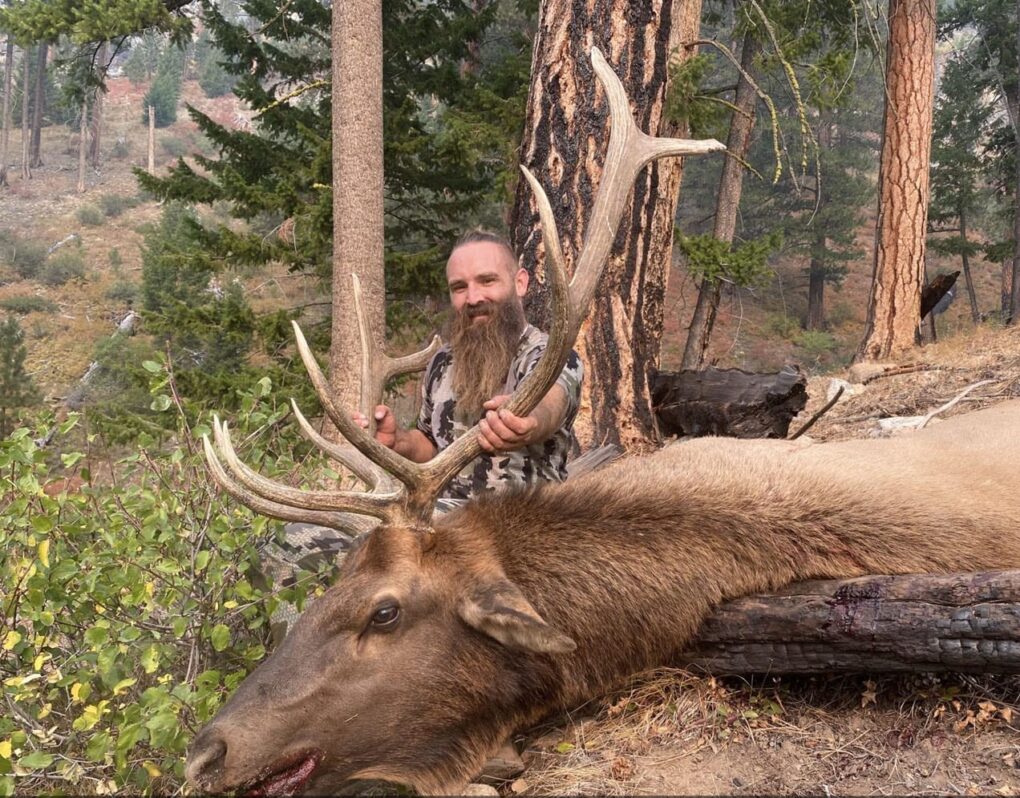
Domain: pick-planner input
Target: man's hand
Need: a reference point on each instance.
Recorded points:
(409, 443)
(502, 431)
(385, 425)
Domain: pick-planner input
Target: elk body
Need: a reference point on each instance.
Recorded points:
(444, 634)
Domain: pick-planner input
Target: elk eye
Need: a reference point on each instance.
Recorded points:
(386, 616)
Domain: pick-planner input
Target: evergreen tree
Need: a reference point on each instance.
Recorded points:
(16, 386)
(165, 92)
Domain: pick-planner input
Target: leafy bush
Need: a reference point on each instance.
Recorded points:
(90, 215)
(174, 146)
(121, 147)
(16, 387)
(123, 291)
(816, 343)
(782, 325)
(63, 266)
(132, 611)
(28, 304)
(24, 255)
(116, 204)
(163, 96)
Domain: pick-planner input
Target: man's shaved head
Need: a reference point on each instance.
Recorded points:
(482, 236)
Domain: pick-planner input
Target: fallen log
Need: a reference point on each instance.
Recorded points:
(925, 622)
(729, 402)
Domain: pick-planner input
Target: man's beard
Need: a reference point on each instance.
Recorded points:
(482, 354)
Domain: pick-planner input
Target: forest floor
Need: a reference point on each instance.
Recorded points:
(677, 733)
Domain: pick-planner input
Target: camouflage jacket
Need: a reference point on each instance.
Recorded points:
(538, 462)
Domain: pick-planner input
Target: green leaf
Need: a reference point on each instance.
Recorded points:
(96, 635)
(37, 760)
(220, 637)
(152, 366)
(161, 403)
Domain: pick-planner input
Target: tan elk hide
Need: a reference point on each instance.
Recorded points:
(443, 635)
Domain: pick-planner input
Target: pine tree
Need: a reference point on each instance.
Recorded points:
(16, 386)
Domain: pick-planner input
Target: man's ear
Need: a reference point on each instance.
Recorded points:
(521, 279)
(500, 610)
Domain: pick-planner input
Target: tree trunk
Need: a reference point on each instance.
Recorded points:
(357, 189)
(731, 184)
(26, 168)
(1014, 294)
(975, 314)
(816, 269)
(566, 131)
(39, 106)
(152, 140)
(922, 622)
(82, 145)
(95, 152)
(894, 306)
(5, 115)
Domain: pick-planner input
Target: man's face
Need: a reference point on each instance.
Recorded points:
(481, 275)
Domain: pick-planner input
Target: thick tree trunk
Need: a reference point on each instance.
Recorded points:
(958, 622)
(566, 131)
(894, 307)
(731, 184)
(357, 189)
(39, 106)
(975, 314)
(1014, 295)
(26, 168)
(95, 148)
(5, 114)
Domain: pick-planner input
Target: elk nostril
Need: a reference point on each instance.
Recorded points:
(205, 762)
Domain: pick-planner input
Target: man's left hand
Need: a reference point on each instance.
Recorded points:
(502, 431)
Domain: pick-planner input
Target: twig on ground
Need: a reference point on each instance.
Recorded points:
(952, 402)
(818, 415)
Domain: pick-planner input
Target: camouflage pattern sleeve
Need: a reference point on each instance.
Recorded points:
(571, 379)
(424, 424)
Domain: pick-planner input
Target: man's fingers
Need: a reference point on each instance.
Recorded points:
(496, 401)
(486, 437)
(516, 424)
(380, 412)
(494, 422)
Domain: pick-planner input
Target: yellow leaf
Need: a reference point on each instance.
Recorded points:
(123, 685)
(44, 553)
(5, 749)
(47, 708)
(42, 658)
(150, 589)
(12, 639)
(150, 768)
(75, 690)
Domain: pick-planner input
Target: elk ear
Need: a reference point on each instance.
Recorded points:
(500, 610)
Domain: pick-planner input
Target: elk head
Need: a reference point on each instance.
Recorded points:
(420, 659)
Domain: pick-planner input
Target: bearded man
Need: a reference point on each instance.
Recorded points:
(491, 349)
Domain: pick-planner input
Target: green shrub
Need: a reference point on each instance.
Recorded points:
(138, 610)
(24, 255)
(116, 259)
(90, 215)
(174, 146)
(782, 325)
(63, 266)
(116, 204)
(17, 389)
(123, 291)
(121, 148)
(816, 343)
(28, 304)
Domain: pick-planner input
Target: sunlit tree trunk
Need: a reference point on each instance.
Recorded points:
(731, 185)
(357, 187)
(895, 303)
(82, 145)
(566, 131)
(5, 115)
(95, 148)
(38, 106)
(26, 169)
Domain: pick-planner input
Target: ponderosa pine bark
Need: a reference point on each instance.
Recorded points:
(5, 114)
(731, 184)
(1014, 294)
(357, 188)
(566, 132)
(95, 146)
(895, 303)
(38, 106)
(26, 169)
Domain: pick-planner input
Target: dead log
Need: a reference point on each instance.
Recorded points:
(958, 622)
(729, 402)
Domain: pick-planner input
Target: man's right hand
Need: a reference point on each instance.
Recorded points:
(385, 425)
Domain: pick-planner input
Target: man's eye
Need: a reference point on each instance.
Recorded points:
(386, 617)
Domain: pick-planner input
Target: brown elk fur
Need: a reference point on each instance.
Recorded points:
(625, 562)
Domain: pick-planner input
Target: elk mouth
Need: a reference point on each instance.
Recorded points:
(287, 776)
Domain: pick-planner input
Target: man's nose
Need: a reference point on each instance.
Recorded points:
(474, 295)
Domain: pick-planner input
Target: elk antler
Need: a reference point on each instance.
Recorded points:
(411, 502)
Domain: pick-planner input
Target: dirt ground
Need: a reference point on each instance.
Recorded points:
(674, 733)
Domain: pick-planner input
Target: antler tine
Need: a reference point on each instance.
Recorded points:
(363, 468)
(381, 506)
(264, 506)
(378, 367)
(388, 460)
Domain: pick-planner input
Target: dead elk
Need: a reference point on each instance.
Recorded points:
(441, 636)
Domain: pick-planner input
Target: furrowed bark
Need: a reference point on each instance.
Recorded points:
(5, 114)
(893, 309)
(959, 622)
(38, 106)
(566, 131)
